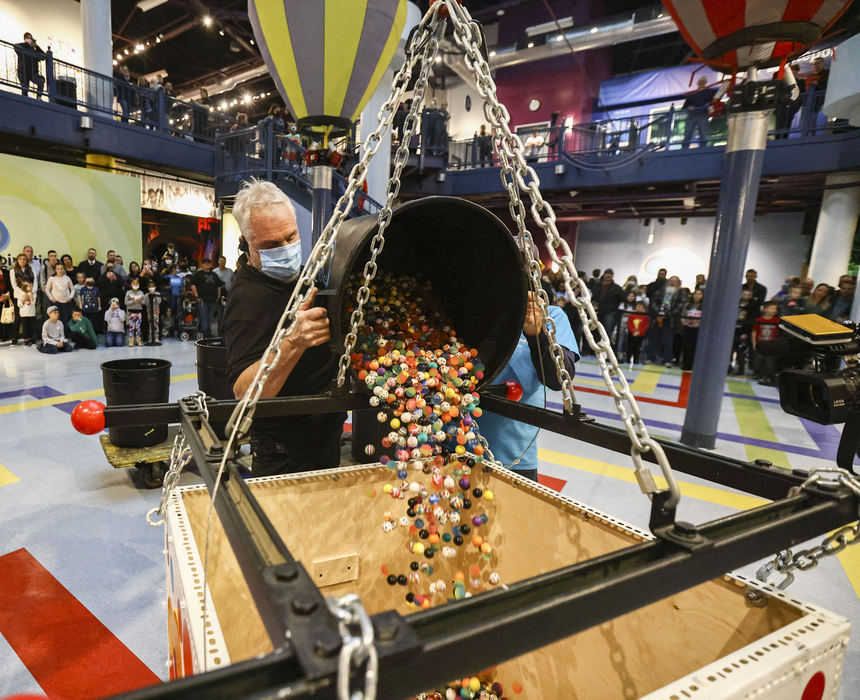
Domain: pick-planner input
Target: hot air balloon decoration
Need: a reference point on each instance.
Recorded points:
(731, 35)
(327, 56)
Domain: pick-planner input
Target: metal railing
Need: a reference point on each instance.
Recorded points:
(43, 77)
(630, 136)
(262, 151)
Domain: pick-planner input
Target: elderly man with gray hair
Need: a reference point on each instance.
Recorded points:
(266, 275)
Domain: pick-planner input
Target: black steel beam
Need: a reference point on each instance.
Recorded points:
(767, 482)
(291, 607)
(147, 414)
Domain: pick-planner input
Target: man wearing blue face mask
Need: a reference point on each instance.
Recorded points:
(207, 288)
(265, 277)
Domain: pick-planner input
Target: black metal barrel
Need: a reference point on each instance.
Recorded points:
(473, 262)
(212, 373)
(134, 381)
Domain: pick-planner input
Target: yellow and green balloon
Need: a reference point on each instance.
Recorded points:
(327, 56)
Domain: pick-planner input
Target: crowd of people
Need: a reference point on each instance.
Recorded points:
(57, 306)
(659, 322)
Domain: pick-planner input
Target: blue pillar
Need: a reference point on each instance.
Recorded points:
(321, 208)
(741, 170)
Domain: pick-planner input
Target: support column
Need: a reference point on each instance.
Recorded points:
(379, 168)
(837, 223)
(98, 57)
(321, 206)
(741, 170)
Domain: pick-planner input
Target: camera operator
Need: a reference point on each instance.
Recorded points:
(265, 278)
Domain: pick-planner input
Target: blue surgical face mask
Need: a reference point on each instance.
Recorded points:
(283, 262)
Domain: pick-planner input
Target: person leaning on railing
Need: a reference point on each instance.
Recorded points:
(29, 55)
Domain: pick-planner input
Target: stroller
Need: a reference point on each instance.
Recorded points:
(188, 319)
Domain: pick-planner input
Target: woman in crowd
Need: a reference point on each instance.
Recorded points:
(691, 319)
(631, 284)
(21, 274)
(8, 329)
(133, 273)
(66, 259)
(818, 302)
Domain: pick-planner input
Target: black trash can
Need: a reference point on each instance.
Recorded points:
(477, 270)
(212, 374)
(134, 381)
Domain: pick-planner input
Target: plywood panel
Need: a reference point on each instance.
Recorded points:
(531, 531)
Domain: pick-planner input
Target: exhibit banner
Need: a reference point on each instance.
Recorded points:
(68, 209)
(178, 197)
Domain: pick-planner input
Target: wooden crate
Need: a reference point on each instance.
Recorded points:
(709, 641)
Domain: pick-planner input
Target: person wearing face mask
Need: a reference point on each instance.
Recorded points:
(206, 288)
(265, 278)
(134, 300)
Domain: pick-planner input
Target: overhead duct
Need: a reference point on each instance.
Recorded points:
(592, 36)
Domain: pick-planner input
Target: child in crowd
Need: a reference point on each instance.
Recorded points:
(134, 299)
(637, 326)
(80, 278)
(89, 301)
(60, 291)
(743, 326)
(53, 334)
(27, 311)
(793, 302)
(153, 314)
(766, 327)
(626, 307)
(114, 324)
(81, 331)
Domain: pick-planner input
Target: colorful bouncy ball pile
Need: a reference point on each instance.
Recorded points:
(421, 376)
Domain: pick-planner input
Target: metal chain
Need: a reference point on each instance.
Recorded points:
(401, 157)
(180, 456)
(356, 631)
(786, 561)
(321, 252)
(510, 149)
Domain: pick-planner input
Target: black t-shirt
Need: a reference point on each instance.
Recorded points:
(207, 282)
(253, 310)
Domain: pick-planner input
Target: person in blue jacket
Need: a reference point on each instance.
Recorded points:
(513, 443)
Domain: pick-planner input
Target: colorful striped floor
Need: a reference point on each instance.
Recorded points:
(82, 575)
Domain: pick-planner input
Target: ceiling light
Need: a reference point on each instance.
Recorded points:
(139, 47)
(171, 121)
(252, 42)
(158, 40)
(559, 37)
(126, 52)
(119, 57)
(594, 30)
(492, 53)
(223, 105)
(207, 20)
(500, 12)
(568, 122)
(531, 44)
(211, 109)
(115, 62)
(438, 59)
(220, 32)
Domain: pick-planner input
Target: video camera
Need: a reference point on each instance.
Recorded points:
(824, 394)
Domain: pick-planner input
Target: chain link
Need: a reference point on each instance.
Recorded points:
(180, 456)
(401, 157)
(518, 176)
(786, 561)
(356, 631)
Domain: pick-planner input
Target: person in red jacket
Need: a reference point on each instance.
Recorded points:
(637, 327)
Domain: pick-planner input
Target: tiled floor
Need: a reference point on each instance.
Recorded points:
(83, 521)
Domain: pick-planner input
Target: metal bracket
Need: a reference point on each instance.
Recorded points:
(684, 535)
